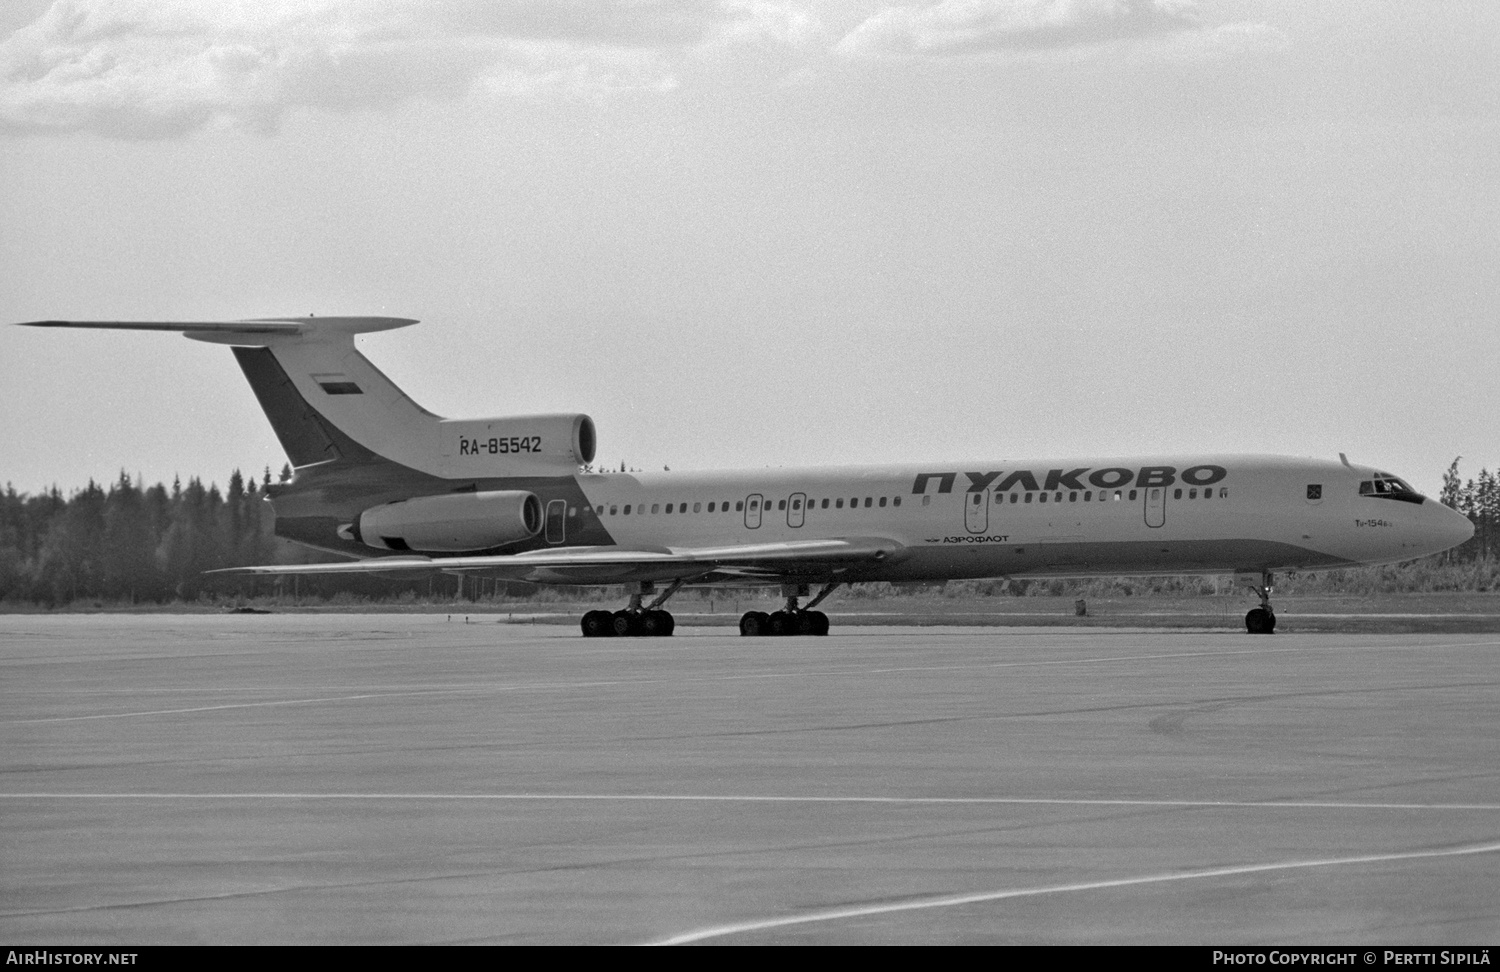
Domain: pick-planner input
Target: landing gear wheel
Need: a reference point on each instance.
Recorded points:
(819, 623)
(597, 624)
(1260, 621)
(654, 624)
(754, 624)
(782, 624)
(624, 624)
(804, 623)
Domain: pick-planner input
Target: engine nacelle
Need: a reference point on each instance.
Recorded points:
(516, 445)
(454, 523)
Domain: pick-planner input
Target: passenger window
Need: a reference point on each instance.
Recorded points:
(1015, 497)
(825, 504)
(1043, 497)
(1223, 492)
(669, 507)
(1072, 497)
(1117, 496)
(655, 507)
(572, 511)
(612, 510)
(754, 505)
(1192, 494)
(838, 504)
(739, 505)
(882, 502)
(1177, 494)
(1028, 497)
(627, 509)
(1088, 497)
(867, 502)
(781, 505)
(796, 504)
(927, 501)
(698, 508)
(1132, 494)
(896, 501)
(710, 507)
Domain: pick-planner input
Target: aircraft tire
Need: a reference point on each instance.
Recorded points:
(782, 624)
(624, 624)
(753, 624)
(803, 623)
(655, 624)
(668, 623)
(596, 624)
(1260, 621)
(820, 623)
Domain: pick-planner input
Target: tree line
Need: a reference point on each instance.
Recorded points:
(132, 544)
(1479, 500)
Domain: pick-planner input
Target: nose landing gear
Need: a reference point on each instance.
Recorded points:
(790, 620)
(634, 621)
(1262, 620)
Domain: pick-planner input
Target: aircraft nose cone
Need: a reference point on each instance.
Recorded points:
(1447, 527)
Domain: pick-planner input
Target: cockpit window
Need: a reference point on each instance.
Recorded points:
(1386, 486)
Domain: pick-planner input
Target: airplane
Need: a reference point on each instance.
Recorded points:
(381, 479)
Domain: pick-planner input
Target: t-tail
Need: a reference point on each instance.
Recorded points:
(356, 441)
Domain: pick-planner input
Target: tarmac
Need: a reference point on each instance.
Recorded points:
(367, 779)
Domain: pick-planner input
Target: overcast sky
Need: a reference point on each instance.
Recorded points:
(763, 232)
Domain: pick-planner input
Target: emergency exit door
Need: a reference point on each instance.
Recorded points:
(752, 511)
(977, 511)
(557, 520)
(1156, 506)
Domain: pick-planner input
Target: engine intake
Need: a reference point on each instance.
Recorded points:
(454, 523)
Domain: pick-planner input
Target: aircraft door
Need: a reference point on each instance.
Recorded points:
(752, 511)
(977, 511)
(1156, 506)
(557, 521)
(795, 509)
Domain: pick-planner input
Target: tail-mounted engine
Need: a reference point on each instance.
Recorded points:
(454, 523)
(516, 445)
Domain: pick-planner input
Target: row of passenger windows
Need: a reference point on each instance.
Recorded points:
(854, 502)
(1105, 495)
(755, 505)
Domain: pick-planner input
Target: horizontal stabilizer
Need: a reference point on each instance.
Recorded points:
(255, 331)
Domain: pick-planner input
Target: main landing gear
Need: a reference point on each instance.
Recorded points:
(634, 621)
(1262, 620)
(791, 620)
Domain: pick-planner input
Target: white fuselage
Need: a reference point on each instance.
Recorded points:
(1250, 513)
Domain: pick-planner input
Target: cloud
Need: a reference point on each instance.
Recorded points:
(144, 69)
(966, 27)
(161, 68)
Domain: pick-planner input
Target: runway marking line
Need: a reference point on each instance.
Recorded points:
(753, 798)
(229, 705)
(607, 683)
(982, 897)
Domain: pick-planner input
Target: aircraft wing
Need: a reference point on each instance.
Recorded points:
(610, 565)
